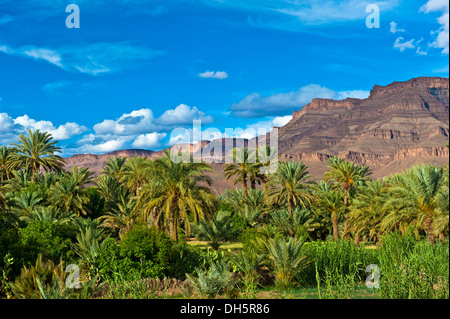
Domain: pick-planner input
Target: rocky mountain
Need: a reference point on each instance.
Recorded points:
(396, 127)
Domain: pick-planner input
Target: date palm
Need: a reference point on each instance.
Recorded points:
(35, 152)
(346, 175)
(70, 193)
(415, 198)
(180, 194)
(115, 167)
(287, 259)
(136, 173)
(6, 156)
(330, 203)
(242, 169)
(122, 218)
(291, 185)
(366, 210)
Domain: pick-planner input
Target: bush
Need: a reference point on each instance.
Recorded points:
(51, 240)
(146, 253)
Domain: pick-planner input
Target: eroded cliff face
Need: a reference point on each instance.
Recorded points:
(399, 121)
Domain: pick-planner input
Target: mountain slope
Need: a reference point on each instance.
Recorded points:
(397, 126)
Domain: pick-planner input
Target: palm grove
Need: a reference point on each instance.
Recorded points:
(136, 218)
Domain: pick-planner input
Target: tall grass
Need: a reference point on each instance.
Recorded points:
(412, 269)
(342, 257)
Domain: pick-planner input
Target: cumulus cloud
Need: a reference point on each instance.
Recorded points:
(10, 128)
(255, 105)
(442, 34)
(137, 129)
(220, 75)
(136, 122)
(183, 115)
(150, 140)
(98, 144)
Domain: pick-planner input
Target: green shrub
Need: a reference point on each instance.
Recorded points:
(146, 253)
(42, 237)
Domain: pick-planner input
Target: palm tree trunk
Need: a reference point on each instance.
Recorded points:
(172, 227)
(291, 207)
(345, 196)
(244, 188)
(429, 230)
(335, 220)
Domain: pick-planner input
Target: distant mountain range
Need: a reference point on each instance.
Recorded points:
(397, 126)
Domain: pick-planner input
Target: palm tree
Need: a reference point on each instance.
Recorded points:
(415, 198)
(330, 203)
(70, 193)
(136, 173)
(241, 168)
(6, 156)
(292, 185)
(51, 215)
(287, 259)
(345, 174)
(36, 152)
(268, 158)
(291, 225)
(248, 262)
(115, 167)
(178, 194)
(366, 210)
(121, 218)
(216, 230)
(26, 202)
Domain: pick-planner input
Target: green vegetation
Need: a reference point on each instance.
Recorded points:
(154, 229)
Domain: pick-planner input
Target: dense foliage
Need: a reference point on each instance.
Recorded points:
(142, 223)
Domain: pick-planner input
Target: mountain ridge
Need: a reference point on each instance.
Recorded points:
(397, 126)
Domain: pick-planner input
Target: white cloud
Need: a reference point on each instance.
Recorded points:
(136, 122)
(281, 121)
(10, 128)
(143, 121)
(150, 140)
(6, 123)
(401, 45)
(93, 59)
(183, 115)
(442, 34)
(394, 28)
(255, 105)
(214, 75)
(62, 132)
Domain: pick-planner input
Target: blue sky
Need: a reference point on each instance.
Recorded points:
(135, 70)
